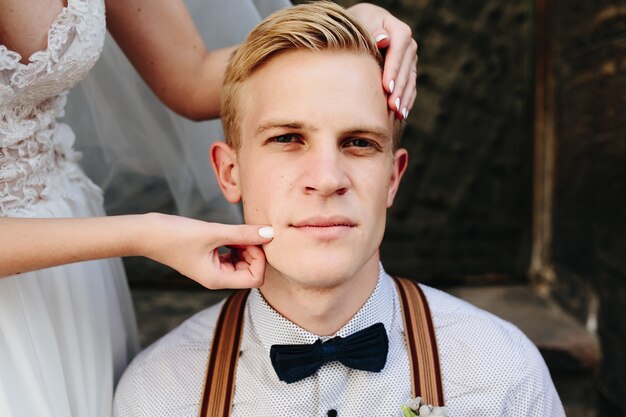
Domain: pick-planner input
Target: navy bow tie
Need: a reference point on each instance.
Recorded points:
(365, 350)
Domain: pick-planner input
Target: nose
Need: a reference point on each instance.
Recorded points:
(325, 173)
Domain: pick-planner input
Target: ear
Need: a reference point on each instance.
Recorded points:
(226, 168)
(400, 162)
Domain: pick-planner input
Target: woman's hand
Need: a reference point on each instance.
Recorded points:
(191, 247)
(187, 245)
(399, 75)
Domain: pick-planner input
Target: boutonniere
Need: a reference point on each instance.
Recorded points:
(417, 407)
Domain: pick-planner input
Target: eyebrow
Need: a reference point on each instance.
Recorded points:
(376, 131)
(279, 124)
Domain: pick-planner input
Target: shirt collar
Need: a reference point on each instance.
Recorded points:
(269, 327)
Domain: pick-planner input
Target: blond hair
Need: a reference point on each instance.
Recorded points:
(316, 26)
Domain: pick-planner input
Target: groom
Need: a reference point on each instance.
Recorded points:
(313, 150)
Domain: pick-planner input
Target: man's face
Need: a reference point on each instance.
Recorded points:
(316, 163)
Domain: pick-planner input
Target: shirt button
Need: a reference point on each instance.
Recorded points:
(332, 413)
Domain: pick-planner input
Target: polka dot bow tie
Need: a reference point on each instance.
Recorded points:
(365, 350)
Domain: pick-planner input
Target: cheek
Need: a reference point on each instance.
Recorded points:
(256, 206)
(376, 209)
(378, 189)
(263, 197)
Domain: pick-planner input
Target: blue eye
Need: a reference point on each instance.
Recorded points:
(284, 139)
(360, 146)
(359, 143)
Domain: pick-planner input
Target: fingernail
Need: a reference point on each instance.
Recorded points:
(266, 232)
(405, 113)
(380, 37)
(397, 103)
(391, 85)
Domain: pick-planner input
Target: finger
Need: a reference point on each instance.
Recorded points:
(400, 41)
(225, 257)
(253, 259)
(243, 234)
(247, 272)
(237, 252)
(236, 279)
(381, 37)
(405, 83)
(414, 95)
(408, 97)
(412, 100)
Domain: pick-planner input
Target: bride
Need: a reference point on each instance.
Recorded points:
(66, 322)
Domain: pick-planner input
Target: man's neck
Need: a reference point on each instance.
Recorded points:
(320, 310)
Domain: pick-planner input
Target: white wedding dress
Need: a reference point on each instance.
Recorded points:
(66, 333)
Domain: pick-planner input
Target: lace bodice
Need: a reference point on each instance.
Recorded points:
(36, 155)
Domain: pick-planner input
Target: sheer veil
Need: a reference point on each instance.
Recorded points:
(123, 129)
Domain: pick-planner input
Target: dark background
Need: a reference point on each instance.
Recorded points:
(589, 234)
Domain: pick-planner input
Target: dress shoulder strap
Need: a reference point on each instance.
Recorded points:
(219, 388)
(421, 343)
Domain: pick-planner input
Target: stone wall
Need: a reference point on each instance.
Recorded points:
(463, 210)
(589, 236)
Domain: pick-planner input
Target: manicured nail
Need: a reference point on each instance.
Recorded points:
(266, 232)
(380, 37)
(405, 113)
(397, 103)
(391, 85)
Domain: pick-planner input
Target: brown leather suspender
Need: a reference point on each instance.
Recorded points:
(421, 343)
(422, 349)
(219, 387)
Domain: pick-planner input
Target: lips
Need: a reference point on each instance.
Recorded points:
(320, 222)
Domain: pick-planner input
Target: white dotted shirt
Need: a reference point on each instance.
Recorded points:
(489, 367)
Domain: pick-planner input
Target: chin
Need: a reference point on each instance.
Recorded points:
(318, 270)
